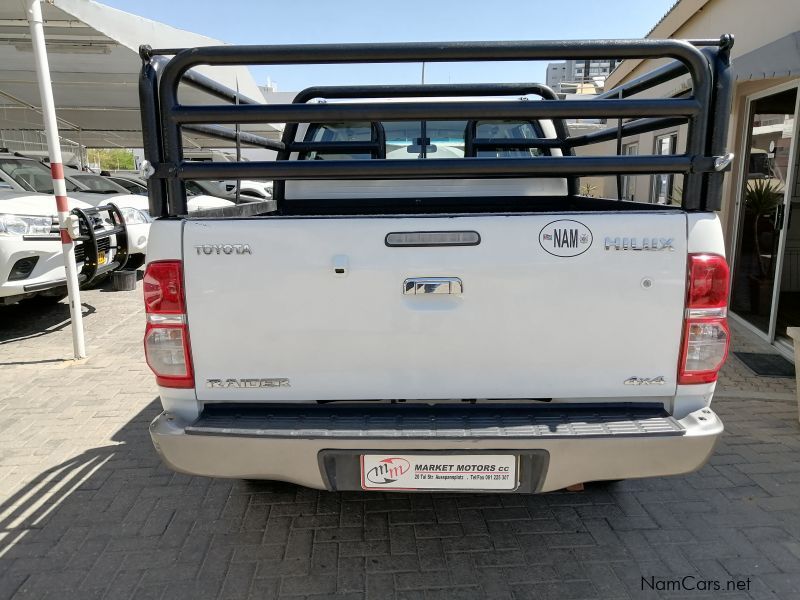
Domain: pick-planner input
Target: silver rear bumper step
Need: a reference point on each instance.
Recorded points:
(577, 444)
(405, 421)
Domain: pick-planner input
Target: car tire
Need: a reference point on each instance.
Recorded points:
(135, 261)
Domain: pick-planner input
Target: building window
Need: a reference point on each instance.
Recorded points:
(629, 181)
(663, 183)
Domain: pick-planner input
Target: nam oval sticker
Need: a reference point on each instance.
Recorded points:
(565, 237)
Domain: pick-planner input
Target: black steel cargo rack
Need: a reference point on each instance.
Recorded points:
(705, 110)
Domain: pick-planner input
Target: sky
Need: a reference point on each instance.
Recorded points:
(331, 21)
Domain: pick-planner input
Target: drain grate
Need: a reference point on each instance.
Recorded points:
(766, 365)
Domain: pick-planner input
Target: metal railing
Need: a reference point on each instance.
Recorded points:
(705, 111)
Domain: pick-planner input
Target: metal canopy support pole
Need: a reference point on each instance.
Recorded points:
(57, 170)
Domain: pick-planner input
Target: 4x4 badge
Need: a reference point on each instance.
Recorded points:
(645, 380)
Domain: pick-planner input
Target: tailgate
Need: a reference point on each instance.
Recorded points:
(548, 306)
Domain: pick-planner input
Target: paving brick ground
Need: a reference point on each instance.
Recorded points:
(87, 511)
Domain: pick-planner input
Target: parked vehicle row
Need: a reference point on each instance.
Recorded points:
(248, 188)
(30, 254)
(31, 259)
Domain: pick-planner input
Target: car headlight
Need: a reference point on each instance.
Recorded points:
(24, 225)
(134, 216)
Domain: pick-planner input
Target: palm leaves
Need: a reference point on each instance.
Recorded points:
(761, 198)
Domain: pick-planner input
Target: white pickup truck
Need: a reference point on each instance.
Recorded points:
(429, 304)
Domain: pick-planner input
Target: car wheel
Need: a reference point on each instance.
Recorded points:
(135, 261)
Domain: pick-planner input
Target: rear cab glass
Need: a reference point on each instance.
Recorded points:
(403, 140)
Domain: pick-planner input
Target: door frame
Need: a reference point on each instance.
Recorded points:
(674, 134)
(769, 336)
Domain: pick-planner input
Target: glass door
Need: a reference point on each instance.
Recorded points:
(662, 184)
(764, 215)
(629, 181)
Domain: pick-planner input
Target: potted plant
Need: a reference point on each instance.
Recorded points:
(762, 197)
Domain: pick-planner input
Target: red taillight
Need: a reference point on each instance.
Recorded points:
(708, 281)
(166, 337)
(706, 336)
(163, 288)
(705, 348)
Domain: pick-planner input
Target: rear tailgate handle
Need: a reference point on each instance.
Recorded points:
(432, 285)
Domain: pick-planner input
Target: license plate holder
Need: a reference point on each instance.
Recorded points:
(464, 472)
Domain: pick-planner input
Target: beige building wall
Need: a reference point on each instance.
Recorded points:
(753, 24)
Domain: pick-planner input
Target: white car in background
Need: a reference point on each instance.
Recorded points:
(98, 189)
(248, 188)
(23, 174)
(194, 189)
(31, 262)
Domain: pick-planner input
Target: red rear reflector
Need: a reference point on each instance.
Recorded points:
(706, 337)
(166, 338)
(163, 287)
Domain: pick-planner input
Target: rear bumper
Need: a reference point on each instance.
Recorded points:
(584, 447)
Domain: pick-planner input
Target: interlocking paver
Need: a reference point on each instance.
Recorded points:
(87, 510)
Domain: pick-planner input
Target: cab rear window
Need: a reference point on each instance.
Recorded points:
(421, 139)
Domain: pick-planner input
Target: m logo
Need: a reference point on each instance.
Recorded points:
(565, 238)
(388, 470)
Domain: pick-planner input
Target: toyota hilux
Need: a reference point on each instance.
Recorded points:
(428, 302)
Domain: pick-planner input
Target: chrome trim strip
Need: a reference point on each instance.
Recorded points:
(166, 319)
(706, 313)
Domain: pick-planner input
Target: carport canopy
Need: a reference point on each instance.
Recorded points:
(94, 66)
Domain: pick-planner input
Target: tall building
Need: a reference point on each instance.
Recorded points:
(566, 76)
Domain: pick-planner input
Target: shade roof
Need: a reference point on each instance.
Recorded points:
(780, 58)
(94, 65)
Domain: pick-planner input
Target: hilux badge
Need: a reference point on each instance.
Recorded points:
(639, 243)
(565, 238)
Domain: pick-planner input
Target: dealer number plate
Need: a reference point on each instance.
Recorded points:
(439, 472)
